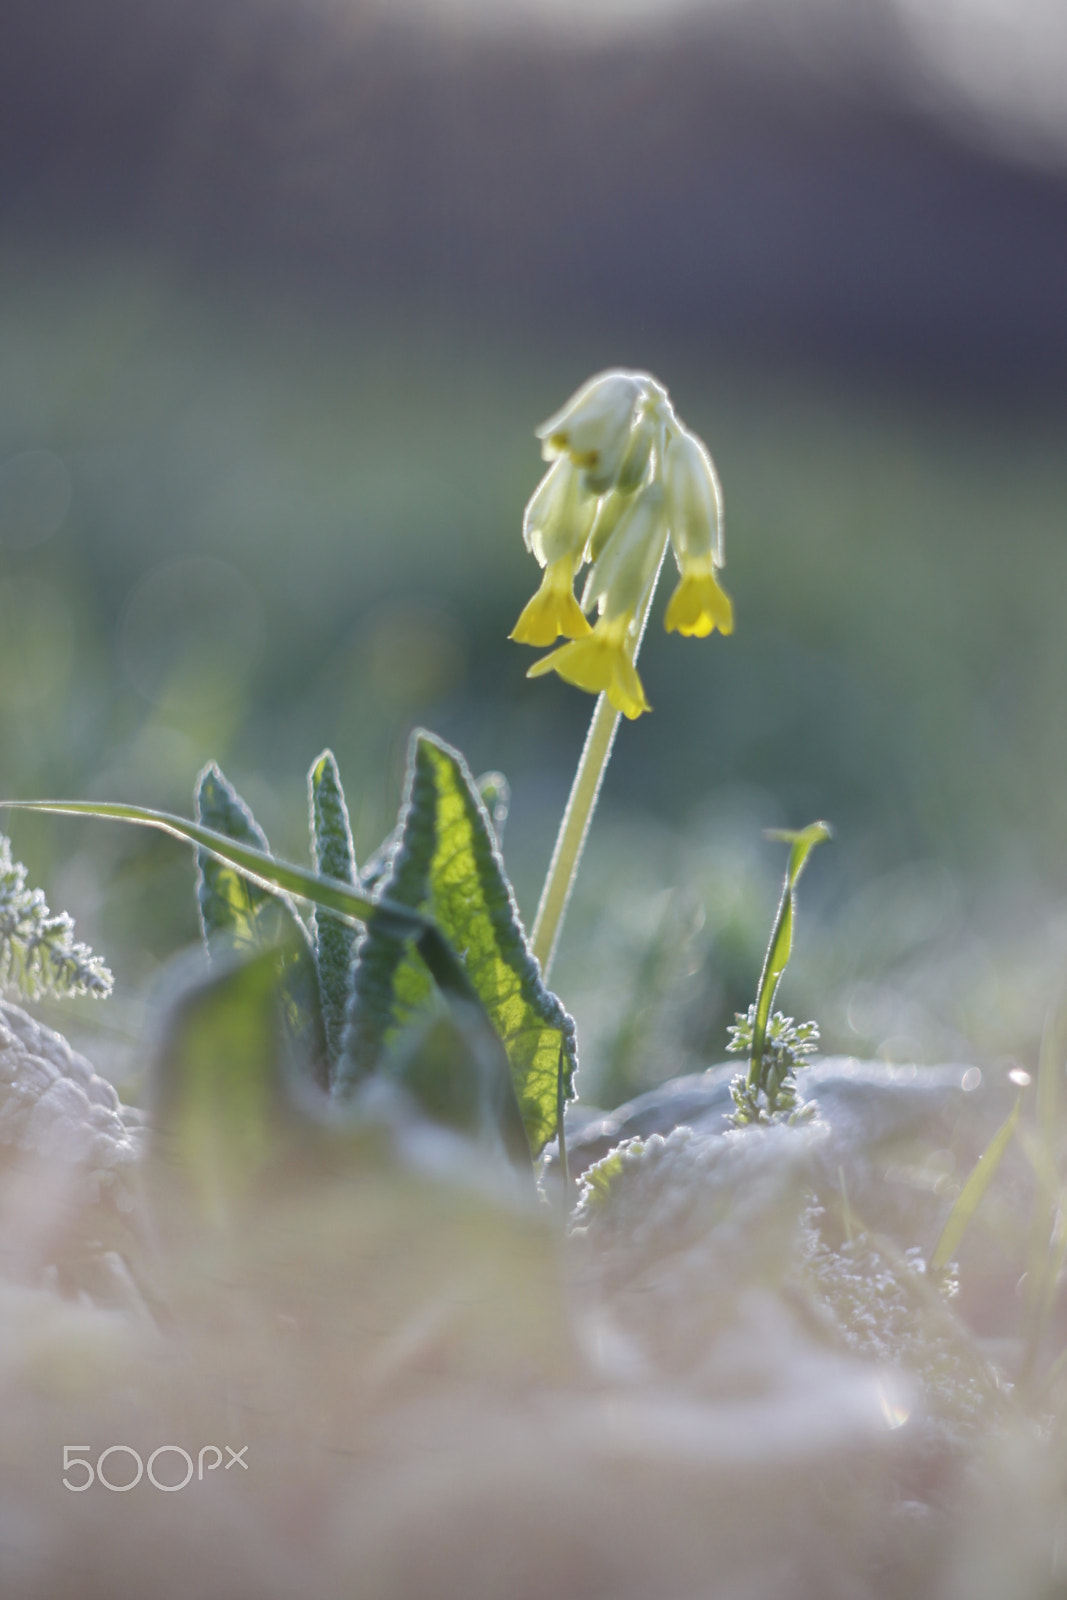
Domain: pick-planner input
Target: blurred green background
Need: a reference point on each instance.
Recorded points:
(261, 487)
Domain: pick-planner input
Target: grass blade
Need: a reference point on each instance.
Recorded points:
(261, 867)
(970, 1196)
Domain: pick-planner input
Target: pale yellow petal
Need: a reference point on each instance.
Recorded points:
(698, 606)
(552, 611)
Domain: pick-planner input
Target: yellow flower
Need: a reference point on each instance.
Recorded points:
(699, 605)
(559, 517)
(619, 584)
(626, 476)
(626, 566)
(556, 528)
(694, 510)
(553, 609)
(600, 664)
(594, 429)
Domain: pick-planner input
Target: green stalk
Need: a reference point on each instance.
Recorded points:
(770, 978)
(780, 948)
(570, 841)
(574, 829)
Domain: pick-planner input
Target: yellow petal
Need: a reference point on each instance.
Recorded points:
(552, 611)
(626, 691)
(698, 606)
(599, 664)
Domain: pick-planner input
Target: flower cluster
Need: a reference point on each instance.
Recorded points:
(626, 476)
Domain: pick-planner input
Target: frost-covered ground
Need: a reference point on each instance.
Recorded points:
(731, 1379)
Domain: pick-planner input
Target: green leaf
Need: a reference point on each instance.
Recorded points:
(333, 855)
(240, 914)
(445, 967)
(235, 911)
(599, 1180)
(435, 1063)
(220, 1116)
(970, 1196)
(447, 865)
(803, 842)
(781, 945)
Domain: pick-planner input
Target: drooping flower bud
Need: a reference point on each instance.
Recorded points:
(634, 464)
(559, 516)
(694, 499)
(694, 512)
(556, 530)
(621, 577)
(594, 427)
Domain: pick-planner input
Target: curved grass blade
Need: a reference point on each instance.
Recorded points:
(256, 864)
(447, 864)
(970, 1196)
(334, 856)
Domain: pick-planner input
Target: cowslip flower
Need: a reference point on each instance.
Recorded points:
(694, 512)
(620, 578)
(626, 477)
(556, 529)
(594, 428)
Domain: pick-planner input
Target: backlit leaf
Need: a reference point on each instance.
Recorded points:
(447, 865)
(332, 852)
(240, 914)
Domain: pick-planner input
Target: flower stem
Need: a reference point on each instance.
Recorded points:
(585, 791)
(573, 830)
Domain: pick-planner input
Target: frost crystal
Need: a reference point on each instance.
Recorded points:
(38, 954)
(787, 1045)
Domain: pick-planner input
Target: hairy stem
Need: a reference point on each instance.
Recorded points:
(574, 828)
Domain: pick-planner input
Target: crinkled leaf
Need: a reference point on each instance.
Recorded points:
(241, 915)
(599, 1179)
(435, 1063)
(333, 855)
(219, 1113)
(448, 865)
(444, 966)
(235, 911)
